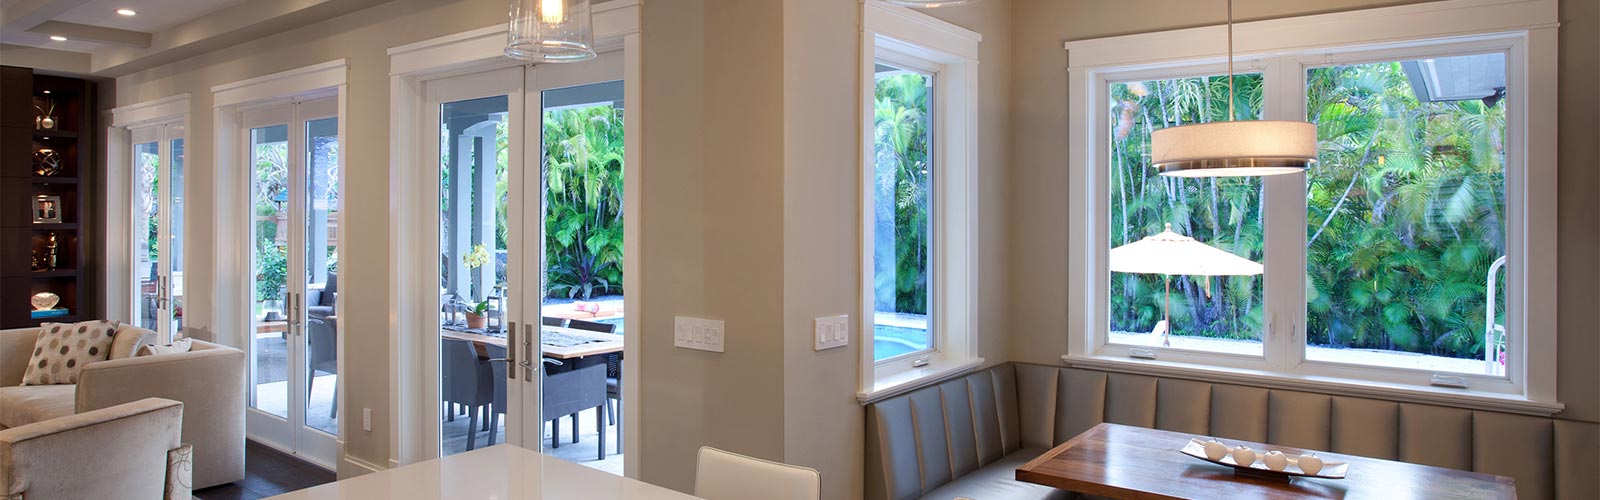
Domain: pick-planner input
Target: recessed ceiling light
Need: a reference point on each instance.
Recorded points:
(46, 91)
(58, 38)
(126, 12)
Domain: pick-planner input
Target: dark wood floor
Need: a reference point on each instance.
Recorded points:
(268, 472)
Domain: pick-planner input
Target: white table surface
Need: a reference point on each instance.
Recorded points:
(497, 472)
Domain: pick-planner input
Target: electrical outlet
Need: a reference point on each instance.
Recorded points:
(833, 331)
(366, 419)
(696, 333)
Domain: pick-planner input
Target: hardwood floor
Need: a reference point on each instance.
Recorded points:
(268, 472)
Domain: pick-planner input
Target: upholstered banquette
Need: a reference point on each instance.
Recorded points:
(966, 436)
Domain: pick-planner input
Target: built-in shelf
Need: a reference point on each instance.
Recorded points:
(65, 134)
(55, 273)
(59, 226)
(55, 180)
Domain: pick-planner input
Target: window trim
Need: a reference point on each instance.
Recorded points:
(952, 53)
(1283, 49)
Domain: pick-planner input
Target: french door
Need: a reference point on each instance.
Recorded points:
(293, 161)
(158, 228)
(485, 136)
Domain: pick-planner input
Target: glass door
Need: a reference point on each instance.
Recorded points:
(158, 234)
(580, 108)
(293, 160)
(483, 335)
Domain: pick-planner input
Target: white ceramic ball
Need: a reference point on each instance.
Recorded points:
(1310, 464)
(1275, 460)
(1244, 456)
(1215, 450)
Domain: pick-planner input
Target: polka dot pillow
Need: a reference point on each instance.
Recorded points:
(63, 349)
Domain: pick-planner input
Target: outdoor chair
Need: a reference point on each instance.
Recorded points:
(558, 322)
(572, 391)
(324, 358)
(613, 364)
(466, 382)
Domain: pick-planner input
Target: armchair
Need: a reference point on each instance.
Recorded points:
(130, 450)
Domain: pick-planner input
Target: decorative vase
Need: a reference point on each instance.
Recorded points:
(477, 321)
(44, 301)
(45, 122)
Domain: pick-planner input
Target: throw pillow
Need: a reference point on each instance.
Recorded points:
(128, 340)
(62, 350)
(173, 348)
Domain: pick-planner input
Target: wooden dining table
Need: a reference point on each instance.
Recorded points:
(1120, 461)
(603, 343)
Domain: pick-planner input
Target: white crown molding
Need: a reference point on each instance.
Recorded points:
(485, 47)
(151, 111)
(283, 84)
(919, 29)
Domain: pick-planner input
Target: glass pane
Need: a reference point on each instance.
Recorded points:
(269, 155)
(175, 238)
(322, 268)
(472, 248)
(147, 170)
(902, 211)
(583, 161)
(1189, 311)
(1406, 214)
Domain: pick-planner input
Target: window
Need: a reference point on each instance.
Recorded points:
(918, 178)
(1403, 264)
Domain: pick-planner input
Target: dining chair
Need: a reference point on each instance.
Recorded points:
(466, 382)
(722, 475)
(569, 392)
(613, 364)
(324, 357)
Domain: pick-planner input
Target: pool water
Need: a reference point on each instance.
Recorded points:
(889, 341)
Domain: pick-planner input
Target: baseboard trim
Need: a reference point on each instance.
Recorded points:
(364, 466)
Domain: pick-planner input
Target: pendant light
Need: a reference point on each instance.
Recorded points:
(550, 31)
(1234, 148)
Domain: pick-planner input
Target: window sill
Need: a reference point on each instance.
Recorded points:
(888, 386)
(1474, 400)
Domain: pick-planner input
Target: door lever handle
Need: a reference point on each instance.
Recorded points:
(511, 351)
(527, 352)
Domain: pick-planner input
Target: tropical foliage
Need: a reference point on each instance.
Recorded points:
(901, 138)
(1406, 212)
(583, 158)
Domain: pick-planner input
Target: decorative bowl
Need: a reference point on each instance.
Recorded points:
(1330, 470)
(44, 301)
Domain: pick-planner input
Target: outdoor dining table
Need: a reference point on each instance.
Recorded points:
(601, 343)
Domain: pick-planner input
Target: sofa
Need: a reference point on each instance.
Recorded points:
(131, 450)
(209, 380)
(965, 437)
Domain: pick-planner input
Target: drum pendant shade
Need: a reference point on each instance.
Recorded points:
(1232, 149)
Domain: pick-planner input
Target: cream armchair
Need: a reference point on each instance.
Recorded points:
(129, 450)
(208, 380)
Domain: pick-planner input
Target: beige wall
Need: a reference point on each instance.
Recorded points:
(1038, 234)
(362, 38)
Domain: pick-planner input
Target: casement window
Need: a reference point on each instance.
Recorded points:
(1415, 260)
(918, 162)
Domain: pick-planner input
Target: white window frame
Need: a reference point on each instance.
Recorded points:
(917, 41)
(1283, 49)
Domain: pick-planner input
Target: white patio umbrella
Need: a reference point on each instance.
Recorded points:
(1170, 253)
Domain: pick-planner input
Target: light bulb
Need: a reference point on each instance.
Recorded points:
(552, 11)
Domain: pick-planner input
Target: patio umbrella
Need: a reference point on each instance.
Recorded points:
(1168, 253)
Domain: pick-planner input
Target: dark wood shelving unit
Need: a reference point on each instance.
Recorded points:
(24, 270)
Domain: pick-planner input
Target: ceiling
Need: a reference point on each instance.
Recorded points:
(101, 42)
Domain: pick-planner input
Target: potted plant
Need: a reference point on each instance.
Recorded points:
(478, 315)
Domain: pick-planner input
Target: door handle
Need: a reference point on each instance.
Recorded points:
(511, 351)
(527, 353)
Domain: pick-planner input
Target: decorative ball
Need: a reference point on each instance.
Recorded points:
(1215, 450)
(1275, 460)
(1243, 455)
(1310, 464)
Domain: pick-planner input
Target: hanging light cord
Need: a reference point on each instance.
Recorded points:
(1230, 60)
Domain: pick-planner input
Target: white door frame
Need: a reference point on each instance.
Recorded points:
(118, 192)
(233, 283)
(416, 429)
(162, 135)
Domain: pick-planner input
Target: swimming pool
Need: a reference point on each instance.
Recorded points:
(889, 341)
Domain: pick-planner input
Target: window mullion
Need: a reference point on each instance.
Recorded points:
(1285, 222)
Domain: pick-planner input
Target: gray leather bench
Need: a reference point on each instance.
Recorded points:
(965, 437)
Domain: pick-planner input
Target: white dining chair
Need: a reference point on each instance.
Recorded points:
(721, 475)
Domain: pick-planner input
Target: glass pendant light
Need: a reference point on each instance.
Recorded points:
(550, 31)
(927, 4)
(1234, 148)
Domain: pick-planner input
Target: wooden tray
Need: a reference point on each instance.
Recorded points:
(1330, 470)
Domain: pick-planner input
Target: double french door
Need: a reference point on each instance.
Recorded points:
(487, 136)
(293, 163)
(158, 228)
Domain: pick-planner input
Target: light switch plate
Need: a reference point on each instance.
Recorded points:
(697, 333)
(833, 331)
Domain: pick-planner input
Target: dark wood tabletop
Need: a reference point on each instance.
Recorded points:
(1119, 461)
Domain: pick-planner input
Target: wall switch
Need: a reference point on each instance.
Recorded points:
(366, 419)
(696, 333)
(833, 331)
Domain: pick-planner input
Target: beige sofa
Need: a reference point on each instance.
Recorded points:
(209, 380)
(130, 450)
(966, 436)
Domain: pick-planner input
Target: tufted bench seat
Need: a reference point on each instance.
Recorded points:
(965, 437)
